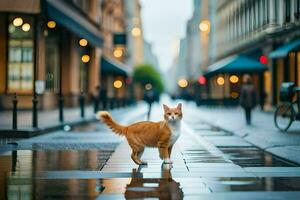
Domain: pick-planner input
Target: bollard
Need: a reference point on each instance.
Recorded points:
(81, 103)
(61, 107)
(14, 119)
(34, 111)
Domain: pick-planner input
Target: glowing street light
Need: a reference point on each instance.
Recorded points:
(51, 24)
(83, 42)
(204, 26)
(136, 32)
(85, 58)
(18, 21)
(26, 27)
(220, 81)
(118, 53)
(118, 84)
(234, 79)
(148, 86)
(182, 83)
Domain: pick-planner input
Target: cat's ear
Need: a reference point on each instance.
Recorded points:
(165, 107)
(179, 106)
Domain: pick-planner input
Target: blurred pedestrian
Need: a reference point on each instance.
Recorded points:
(149, 97)
(248, 97)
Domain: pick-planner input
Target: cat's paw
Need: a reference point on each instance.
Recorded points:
(167, 161)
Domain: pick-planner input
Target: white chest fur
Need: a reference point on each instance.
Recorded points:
(175, 129)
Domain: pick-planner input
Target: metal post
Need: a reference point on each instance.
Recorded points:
(34, 111)
(61, 107)
(81, 103)
(15, 121)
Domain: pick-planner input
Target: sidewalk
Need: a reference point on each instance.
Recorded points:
(261, 133)
(48, 120)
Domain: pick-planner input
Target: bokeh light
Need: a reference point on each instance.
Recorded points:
(136, 31)
(118, 84)
(234, 79)
(204, 26)
(148, 86)
(118, 53)
(263, 60)
(85, 58)
(26, 27)
(182, 83)
(83, 42)
(202, 80)
(18, 21)
(51, 24)
(220, 80)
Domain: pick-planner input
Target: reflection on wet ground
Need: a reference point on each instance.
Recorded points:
(85, 170)
(253, 157)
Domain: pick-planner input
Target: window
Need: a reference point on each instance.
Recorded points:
(20, 54)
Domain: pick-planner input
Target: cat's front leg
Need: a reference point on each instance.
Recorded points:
(164, 154)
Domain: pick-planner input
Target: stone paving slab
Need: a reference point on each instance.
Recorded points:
(231, 141)
(228, 196)
(262, 133)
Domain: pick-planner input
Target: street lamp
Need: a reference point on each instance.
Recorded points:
(204, 26)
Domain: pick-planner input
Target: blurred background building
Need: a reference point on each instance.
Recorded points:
(258, 37)
(69, 48)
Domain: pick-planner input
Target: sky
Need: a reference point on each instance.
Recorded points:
(164, 23)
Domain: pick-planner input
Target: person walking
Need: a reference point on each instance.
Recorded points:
(248, 97)
(149, 97)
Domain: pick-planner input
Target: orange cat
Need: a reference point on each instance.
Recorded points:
(162, 134)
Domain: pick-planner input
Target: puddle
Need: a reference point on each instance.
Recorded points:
(253, 184)
(253, 157)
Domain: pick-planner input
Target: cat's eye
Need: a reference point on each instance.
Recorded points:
(168, 113)
(176, 113)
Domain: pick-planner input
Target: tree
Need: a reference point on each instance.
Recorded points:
(146, 73)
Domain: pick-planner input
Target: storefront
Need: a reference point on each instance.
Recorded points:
(224, 79)
(286, 66)
(115, 82)
(41, 47)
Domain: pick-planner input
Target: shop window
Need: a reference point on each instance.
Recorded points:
(20, 54)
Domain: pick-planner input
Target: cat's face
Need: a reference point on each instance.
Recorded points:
(172, 114)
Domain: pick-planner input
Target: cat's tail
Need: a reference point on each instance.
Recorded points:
(106, 118)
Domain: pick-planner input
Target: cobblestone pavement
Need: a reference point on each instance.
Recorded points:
(208, 163)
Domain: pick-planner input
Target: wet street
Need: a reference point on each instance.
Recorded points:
(89, 162)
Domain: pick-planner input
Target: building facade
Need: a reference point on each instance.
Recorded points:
(66, 49)
(256, 28)
(42, 51)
